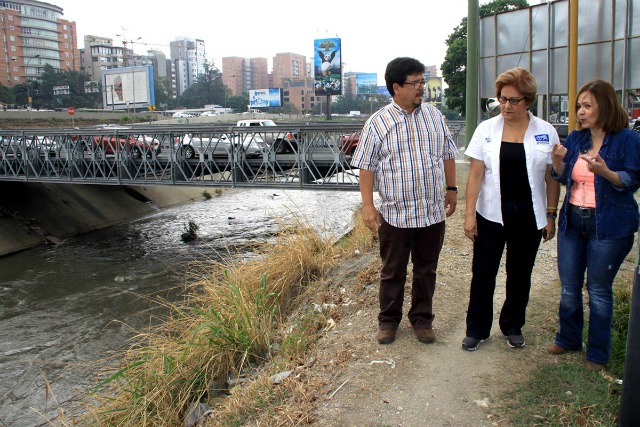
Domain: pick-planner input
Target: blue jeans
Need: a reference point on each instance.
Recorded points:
(579, 250)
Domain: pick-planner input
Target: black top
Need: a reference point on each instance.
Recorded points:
(514, 182)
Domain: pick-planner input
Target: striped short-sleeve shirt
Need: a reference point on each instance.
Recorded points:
(406, 152)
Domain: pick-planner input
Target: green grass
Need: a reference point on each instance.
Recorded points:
(566, 395)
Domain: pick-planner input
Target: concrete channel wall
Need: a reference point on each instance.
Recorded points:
(33, 214)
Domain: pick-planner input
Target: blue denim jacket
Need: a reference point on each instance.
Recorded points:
(616, 208)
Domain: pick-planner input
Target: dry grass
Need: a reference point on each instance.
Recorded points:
(231, 333)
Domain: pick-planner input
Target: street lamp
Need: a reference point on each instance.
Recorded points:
(27, 80)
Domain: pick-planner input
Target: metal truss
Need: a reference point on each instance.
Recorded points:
(298, 156)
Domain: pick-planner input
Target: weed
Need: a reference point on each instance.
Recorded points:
(229, 326)
(206, 194)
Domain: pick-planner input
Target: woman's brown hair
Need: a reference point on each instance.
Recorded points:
(521, 79)
(611, 116)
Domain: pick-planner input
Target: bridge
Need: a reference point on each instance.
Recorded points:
(292, 155)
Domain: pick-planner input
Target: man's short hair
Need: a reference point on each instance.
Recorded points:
(398, 70)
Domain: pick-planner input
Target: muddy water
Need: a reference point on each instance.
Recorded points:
(65, 309)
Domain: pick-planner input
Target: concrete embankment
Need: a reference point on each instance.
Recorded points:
(32, 214)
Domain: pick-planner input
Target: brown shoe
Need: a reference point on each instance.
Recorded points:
(593, 366)
(425, 335)
(386, 336)
(557, 350)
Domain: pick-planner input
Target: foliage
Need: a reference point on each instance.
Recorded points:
(163, 92)
(42, 90)
(6, 95)
(208, 89)
(454, 69)
(238, 103)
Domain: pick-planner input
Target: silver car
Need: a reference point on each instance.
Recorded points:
(191, 145)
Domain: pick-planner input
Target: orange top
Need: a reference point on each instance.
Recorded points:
(583, 190)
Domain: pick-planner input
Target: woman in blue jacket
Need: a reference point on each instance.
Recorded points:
(600, 166)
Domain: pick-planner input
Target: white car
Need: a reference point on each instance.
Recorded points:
(190, 145)
(209, 114)
(183, 114)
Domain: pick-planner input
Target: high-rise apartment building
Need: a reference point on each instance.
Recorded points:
(300, 93)
(35, 35)
(188, 58)
(99, 54)
(240, 75)
(288, 65)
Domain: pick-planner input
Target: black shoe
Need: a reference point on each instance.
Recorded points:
(515, 341)
(471, 343)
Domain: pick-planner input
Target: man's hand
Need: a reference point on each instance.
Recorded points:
(450, 202)
(370, 217)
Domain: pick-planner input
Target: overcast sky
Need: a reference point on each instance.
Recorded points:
(372, 31)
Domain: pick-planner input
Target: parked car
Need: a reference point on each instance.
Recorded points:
(136, 146)
(349, 142)
(283, 141)
(17, 146)
(183, 114)
(209, 114)
(191, 145)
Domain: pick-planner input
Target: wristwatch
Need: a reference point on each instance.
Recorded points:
(452, 188)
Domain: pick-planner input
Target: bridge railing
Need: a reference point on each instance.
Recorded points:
(292, 155)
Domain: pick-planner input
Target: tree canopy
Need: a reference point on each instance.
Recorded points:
(454, 67)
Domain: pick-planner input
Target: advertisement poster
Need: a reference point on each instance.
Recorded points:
(433, 90)
(366, 84)
(128, 87)
(263, 98)
(327, 66)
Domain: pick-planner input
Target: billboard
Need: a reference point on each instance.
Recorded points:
(433, 90)
(327, 66)
(128, 87)
(366, 84)
(262, 98)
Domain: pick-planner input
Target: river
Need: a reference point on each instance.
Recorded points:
(65, 310)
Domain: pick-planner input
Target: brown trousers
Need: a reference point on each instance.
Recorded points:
(423, 244)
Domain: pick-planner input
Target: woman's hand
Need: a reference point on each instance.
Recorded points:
(549, 230)
(558, 151)
(470, 228)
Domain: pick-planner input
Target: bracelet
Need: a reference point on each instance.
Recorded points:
(552, 215)
(552, 208)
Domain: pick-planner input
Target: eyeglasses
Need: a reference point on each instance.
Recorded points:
(416, 85)
(512, 101)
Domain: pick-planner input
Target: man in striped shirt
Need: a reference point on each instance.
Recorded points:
(407, 153)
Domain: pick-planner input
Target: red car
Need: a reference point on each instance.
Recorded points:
(136, 147)
(349, 142)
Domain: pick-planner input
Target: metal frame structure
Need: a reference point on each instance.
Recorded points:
(298, 156)
(537, 38)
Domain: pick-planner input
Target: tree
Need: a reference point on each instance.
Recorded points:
(41, 90)
(208, 89)
(6, 95)
(163, 92)
(454, 67)
(238, 103)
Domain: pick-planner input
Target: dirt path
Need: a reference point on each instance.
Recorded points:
(409, 383)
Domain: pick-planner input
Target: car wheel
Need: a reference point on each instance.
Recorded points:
(136, 153)
(189, 152)
(281, 147)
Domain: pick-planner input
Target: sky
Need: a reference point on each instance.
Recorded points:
(372, 32)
